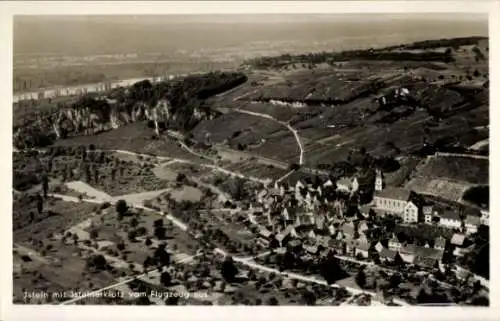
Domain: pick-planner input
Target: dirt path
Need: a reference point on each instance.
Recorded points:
(290, 128)
(300, 277)
(247, 261)
(191, 151)
(138, 198)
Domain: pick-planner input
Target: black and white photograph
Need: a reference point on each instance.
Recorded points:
(307, 159)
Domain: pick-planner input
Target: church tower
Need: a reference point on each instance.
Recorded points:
(379, 184)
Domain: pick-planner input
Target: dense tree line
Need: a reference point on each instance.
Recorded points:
(332, 57)
(479, 195)
(370, 54)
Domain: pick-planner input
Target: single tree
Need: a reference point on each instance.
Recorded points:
(361, 278)
(94, 234)
(229, 269)
(272, 301)
(160, 232)
(97, 262)
(121, 208)
(134, 222)
(165, 279)
(120, 246)
(161, 256)
(39, 204)
(45, 185)
(158, 223)
(132, 234)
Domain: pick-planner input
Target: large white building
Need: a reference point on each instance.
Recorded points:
(392, 200)
(395, 201)
(410, 214)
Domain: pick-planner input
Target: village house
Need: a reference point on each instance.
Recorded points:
(389, 256)
(362, 227)
(348, 185)
(285, 235)
(408, 253)
(337, 245)
(428, 213)
(426, 262)
(348, 230)
(471, 224)
(311, 249)
(299, 185)
(410, 213)
(264, 237)
(331, 229)
(427, 257)
(281, 250)
(378, 247)
(458, 240)
(450, 219)
(440, 243)
(394, 244)
(361, 249)
(485, 218)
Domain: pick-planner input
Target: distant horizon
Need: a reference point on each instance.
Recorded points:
(242, 18)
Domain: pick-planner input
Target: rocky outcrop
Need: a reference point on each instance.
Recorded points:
(89, 120)
(173, 105)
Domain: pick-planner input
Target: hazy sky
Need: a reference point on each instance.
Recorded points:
(83, 35)
(253, 19)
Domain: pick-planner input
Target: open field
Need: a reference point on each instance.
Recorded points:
(237, 127)
(284, 142)
(255, 169)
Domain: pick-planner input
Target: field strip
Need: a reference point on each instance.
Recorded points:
(290, 128)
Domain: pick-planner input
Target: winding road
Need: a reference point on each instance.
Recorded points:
(244, 261)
